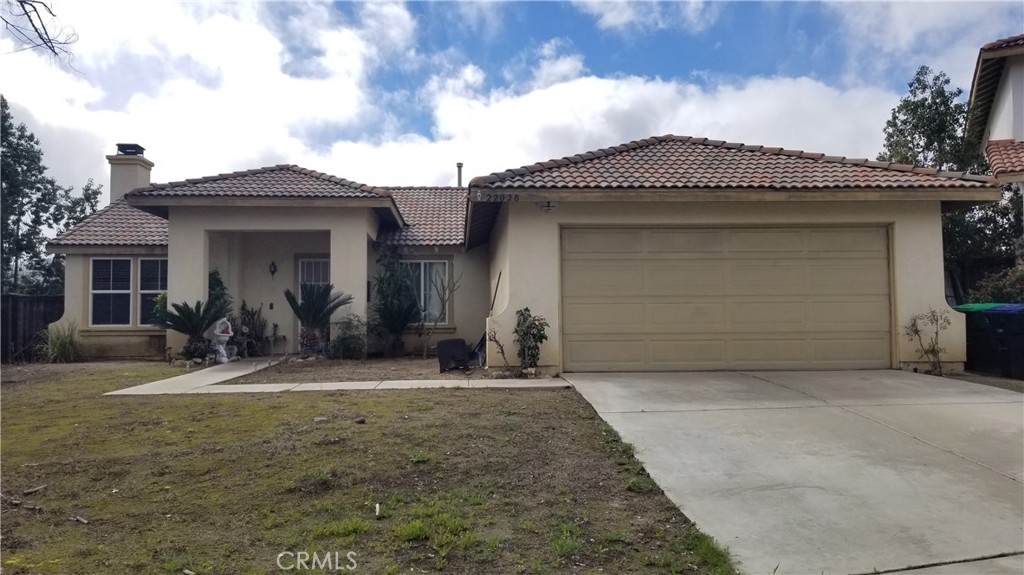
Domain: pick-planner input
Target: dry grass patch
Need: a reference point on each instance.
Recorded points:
(467, 481)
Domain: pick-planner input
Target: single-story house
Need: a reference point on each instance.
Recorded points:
(668, 253)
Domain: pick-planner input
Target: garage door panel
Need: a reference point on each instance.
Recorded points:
(604, 352)
(679, 316)
(688, 241)
(602, 241)
(767, 240)
(603, 280)
(850, 278)
(753, 279)
(850, 316)
(698, 278)
(854, 242)
(686, 351)
(601, 318)
(773, 298)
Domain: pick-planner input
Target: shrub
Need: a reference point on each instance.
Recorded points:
(927, 326)
(1003, 287)
(350, 343)
(530, 332)
(193, 321)
(251, 330)
(61, 344)
(314, 311)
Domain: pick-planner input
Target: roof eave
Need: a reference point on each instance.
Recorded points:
(981, 192)
(385, 206)
(109, 249)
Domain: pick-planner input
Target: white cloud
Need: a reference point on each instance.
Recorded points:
(693, 16)
(249, 113)
(900, 36)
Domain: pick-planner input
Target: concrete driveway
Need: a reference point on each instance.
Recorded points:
(832, 472)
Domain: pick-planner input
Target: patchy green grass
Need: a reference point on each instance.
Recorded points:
(446, 480)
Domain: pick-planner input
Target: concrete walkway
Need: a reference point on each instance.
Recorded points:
(206, 380)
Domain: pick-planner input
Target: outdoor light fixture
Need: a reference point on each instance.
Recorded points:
(548, 207)
(273, 269)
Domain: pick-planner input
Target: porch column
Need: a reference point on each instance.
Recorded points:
(348, 263)
(188, 264)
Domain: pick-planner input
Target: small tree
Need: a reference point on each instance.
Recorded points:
(319, 302)
(925, 329)
(443, 288)
(530, 332)
(395, 306)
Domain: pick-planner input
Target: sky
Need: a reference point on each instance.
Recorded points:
(396, 94)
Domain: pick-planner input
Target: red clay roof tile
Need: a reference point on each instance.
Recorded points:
(435, 217)
(671, 162)
(281, 181)
(116, 225)
(1005, 157)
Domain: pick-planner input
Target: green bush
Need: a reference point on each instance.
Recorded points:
(314, 307)
(1003, 287)
(395, 306)
(530, 332)
(350, 343)
(193, 321)
(61, 344)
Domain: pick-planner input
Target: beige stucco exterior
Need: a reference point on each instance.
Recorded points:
(241, 242)
(135, 340)
(1006, 120)
(525, 249)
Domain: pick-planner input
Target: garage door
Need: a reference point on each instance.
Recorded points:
(695, 299)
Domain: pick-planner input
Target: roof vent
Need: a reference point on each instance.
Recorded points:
(130, 150)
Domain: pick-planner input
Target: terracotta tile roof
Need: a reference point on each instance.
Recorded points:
(1011, 42)
(435, 217)
(116, 225)
(281, 181)
(679, 162)
(1005, 157)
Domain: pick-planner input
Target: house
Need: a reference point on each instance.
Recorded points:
(669, 253)
(996, 118)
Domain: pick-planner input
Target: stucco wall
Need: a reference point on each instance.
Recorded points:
(532, 241)
(1006, 120)
(202, 239)
(136, 340)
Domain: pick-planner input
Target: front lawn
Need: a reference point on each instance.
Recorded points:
(468, 481)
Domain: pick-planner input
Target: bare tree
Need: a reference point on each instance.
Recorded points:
(33, 24)
(443, 288)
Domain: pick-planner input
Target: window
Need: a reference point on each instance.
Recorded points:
(314, 271)
(152, 282)
(111, 292)
(428, 278)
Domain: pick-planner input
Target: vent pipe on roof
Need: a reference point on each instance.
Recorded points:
(458, 166)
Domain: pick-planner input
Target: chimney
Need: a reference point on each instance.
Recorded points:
(128, 170)
(459, 167)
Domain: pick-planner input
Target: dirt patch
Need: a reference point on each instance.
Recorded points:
(329, 370)
(434, 481)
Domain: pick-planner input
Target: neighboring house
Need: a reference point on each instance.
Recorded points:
(669, 253)
(996, 117)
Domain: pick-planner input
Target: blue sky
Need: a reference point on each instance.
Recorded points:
(396, 93)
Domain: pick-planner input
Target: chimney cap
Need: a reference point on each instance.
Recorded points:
(130, 150)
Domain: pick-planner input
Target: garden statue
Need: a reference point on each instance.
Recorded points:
(221, 334)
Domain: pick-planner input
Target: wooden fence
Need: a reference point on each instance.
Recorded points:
(22, 318)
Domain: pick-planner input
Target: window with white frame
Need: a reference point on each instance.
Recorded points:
(316, 271)
(430, 281)
(152, 282)
(110, 291)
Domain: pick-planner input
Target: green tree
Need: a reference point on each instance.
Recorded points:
(33, 207)
(927, 129)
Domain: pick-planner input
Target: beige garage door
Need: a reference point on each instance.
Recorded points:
(695, 299)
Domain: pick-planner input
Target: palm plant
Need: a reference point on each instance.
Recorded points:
(396, 306)
(314, 310)
(193, 321)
